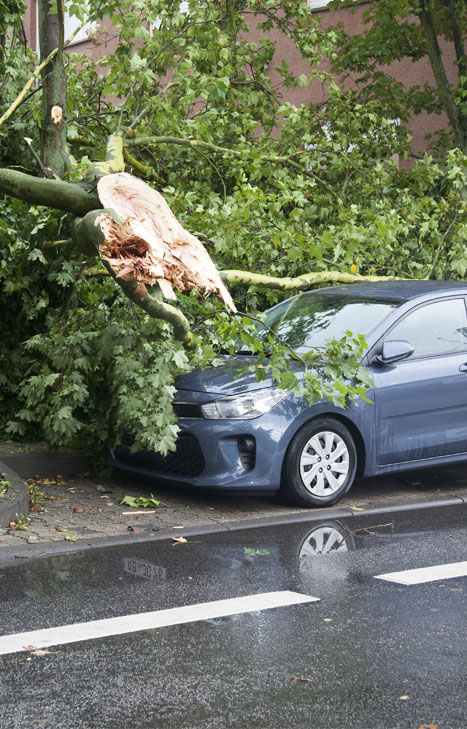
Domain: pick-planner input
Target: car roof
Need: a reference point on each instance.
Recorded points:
(396, 290)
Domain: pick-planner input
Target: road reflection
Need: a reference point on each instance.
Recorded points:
(163, 572)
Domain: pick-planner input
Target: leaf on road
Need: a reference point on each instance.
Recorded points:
(33, 651)
(403, 698)
(142, 501)
(178, 540)
(428, 726)
(78, 510)
(356, 508)
(256, 552)
(301, 678)
(103, 490)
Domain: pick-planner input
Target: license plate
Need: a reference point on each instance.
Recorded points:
(147, 570)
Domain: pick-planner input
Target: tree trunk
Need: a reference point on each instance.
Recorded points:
(53, 131)
(456, 115)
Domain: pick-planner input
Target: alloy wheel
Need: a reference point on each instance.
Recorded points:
(324, 463)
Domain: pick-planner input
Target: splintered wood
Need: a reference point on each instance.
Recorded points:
(151, 246)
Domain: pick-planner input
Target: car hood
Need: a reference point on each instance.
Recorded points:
(221, 380)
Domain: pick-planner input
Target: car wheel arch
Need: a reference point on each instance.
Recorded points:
(351, 427)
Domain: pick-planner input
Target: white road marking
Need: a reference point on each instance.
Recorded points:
(426, 574)
(64, 634)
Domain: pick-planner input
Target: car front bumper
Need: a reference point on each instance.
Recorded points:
(217, 453)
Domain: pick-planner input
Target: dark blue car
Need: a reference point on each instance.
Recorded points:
(244, 435)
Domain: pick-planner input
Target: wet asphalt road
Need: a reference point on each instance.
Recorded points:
(369, 655)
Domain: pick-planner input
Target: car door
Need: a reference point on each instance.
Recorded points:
(421, 402)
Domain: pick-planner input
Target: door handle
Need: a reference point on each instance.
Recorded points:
(463, 367)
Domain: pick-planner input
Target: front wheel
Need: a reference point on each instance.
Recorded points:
(320, 463)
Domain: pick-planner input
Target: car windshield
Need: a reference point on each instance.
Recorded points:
(309, 319)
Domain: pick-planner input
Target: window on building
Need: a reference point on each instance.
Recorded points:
(72, 23)
(317, 4)
(320, 4)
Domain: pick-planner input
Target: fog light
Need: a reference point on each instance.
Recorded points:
(247, 451)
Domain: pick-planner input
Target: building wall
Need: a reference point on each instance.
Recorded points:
(406, 71)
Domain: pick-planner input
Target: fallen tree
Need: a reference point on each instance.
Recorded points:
(140, 242)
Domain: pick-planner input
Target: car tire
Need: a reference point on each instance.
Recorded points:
(320, 464)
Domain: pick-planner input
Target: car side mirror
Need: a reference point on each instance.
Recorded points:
(394, 351)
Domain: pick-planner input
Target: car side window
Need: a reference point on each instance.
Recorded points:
(435, 329)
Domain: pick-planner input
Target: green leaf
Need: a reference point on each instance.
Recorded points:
(140, 502)
(256, 552)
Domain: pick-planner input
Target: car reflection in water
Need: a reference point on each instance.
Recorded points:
(298, 554)
(325, 539)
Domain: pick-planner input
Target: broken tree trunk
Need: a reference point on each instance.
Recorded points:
(89, 237)
(150, 245)
(147, 250)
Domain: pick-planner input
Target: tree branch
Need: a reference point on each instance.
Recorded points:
(21, 96)
(113, 159)
(458, 38)
(66, 196)
(299, 282)
(196, 143)
(89, 237)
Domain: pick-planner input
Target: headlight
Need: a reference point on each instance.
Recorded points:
(248, 405)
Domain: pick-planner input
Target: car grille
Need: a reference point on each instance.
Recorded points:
(186, 460)
(187, 410)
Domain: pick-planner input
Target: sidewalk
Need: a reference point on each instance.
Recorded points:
(79, 509)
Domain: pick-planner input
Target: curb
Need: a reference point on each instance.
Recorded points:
(39, 463)
(50, 549)
(15, 501)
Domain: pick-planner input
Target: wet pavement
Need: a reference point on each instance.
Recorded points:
(368, 654)
(80, 508)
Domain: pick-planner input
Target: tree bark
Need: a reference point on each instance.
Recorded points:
(150, 245)
(66, 196)
(439, 72)
(299, 283)
(53, 131)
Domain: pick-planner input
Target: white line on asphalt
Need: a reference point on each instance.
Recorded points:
(426, 574)
(63, 634)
